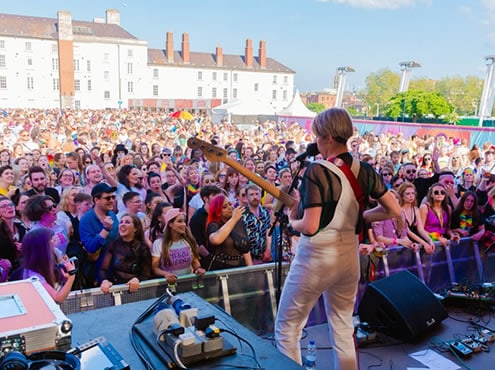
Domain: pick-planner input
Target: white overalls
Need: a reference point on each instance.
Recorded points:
(326, 263)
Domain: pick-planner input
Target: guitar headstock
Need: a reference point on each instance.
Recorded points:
(210, 151)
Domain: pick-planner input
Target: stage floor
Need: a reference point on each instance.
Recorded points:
(391, 354)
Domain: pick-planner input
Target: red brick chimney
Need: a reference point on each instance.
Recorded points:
(249, 53)
(170, 47)
(185, 48)
(262, 54)
(219, 56)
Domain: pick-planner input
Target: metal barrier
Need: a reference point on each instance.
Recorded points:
(457, 262)
(248, 293)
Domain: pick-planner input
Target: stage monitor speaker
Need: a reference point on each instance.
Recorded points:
(401, 306)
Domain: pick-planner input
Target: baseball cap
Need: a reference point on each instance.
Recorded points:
(171, 214)
(102, 188)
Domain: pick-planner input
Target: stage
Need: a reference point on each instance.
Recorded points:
(114, 323)
(390, 354)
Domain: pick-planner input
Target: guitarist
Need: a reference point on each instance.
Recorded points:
(329, 217)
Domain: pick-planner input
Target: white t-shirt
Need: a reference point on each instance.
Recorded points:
(180, 256)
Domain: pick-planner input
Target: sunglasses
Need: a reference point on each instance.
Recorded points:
(109, 197)
(242, 194)
(7, 205)
(427, 159)
(386, 174)
(50, 207)
(397, 185)
(221, 176)
(438, 192)
(410, 171)
(166, 155)
(208, 181)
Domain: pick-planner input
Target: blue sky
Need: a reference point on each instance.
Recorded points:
(313, 37)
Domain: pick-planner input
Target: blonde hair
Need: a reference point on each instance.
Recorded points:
(335, 123)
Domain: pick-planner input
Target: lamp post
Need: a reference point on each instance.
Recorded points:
(487, 96)
(405, 67)
(377, 109)
(341, 73)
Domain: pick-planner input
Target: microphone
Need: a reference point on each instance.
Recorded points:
(311, 151)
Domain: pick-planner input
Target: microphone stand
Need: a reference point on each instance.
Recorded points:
(282, 220)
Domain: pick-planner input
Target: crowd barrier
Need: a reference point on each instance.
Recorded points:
(249, 293)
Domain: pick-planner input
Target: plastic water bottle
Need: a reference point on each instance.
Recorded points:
(310, 362)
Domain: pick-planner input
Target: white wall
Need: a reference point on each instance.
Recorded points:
(109, 63)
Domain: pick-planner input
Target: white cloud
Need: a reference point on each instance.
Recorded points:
(489, 6)
(376, 4)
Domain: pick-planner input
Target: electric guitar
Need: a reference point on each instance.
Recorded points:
(216, 154)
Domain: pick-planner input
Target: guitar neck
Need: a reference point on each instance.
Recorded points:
(285, 198)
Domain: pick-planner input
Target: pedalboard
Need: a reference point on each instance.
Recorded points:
(460, 348)
(473, 345)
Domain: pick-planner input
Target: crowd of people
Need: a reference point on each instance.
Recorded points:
(121, 191)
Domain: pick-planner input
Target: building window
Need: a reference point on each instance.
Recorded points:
(27, 46)
(129, 53)
(54, 64)
(155, 72)
(55, 84)
(30, 83)
(214, 76)
(130, 87)
(88, 65)
(106, 75)
(2, 61)
(274, 94)
(29, 62)
(76, 65)
(200, 92)
(274, 79)
(2, 44)
(256, 87)
(284, 94)
(106, 94)
(155, 90)
(129, 68)
(3, 82)
(106, 57)
(54, 48)
(234, 93)
(214, 92)
(77, 85)
(200, 76)
(225, 93)
(286, 79)
(234, 77)
(225, 76)
(89, 85)
(77, 104)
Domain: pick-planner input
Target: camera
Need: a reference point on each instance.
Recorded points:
(75, 261)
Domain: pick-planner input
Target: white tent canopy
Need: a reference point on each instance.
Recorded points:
(237, 107)
(296, 108)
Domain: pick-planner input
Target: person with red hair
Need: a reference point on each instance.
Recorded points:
(225, 229)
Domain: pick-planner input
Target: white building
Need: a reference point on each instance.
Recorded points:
(61, 63)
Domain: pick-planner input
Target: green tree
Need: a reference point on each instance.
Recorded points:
(418, 104)
(380, 88)
(316, 107)
(463, 93)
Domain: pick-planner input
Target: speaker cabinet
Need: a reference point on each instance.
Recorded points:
(401, 306)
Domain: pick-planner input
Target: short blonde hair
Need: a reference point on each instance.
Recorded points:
(333, 122)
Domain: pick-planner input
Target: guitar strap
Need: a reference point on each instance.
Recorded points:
(351, 174)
